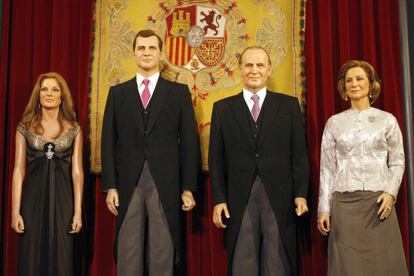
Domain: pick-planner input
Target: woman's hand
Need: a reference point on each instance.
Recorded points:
(387, 201)
(324, 223)
(17, 223)
(76, 223)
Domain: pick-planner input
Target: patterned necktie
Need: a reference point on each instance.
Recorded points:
(145, 96)
(256, 107)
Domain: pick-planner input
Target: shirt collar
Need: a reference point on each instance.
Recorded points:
(153, 79)
(248, 95)
(362, 112)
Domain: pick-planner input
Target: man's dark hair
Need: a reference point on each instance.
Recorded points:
(147, 33)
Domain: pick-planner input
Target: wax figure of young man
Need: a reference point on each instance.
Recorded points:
(149, 160)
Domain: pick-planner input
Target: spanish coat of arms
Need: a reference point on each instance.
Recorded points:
(195, 37)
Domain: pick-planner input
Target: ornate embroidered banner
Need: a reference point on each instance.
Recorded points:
(202, 42)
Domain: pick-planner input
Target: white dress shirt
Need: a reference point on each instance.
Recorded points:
(247, 95)
(361, 150)
(151, 86)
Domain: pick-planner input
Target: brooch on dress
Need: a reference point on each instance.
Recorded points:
(49, 150)
(371, 119)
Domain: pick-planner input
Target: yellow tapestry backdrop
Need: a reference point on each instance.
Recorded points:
(202, 42)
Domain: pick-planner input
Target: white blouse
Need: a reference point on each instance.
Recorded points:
(361, 150)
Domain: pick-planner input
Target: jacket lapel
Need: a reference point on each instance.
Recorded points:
(134, 101)
(270, 109)
(157, 101)
(239, 112)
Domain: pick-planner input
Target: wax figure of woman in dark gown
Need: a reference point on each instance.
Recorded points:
(46, 199)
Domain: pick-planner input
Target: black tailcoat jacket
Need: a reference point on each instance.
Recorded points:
(279, 157)
(169, 144)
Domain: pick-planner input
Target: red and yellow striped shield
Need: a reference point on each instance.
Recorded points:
(179, 23)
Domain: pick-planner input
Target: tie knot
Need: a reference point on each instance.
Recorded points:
(146, 82)
(255, 98)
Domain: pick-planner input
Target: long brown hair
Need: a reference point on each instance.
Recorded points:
(32, 114)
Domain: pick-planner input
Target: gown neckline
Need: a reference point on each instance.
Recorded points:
(54, 140)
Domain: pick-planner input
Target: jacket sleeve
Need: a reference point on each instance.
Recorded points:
(216, 159)
(108, 145)
(300, 162)
(396, 158)
(189, 144)
(327, 169)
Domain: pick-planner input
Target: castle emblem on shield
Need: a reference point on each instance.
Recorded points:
(195, 38)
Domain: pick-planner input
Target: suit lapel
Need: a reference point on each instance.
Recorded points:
(157, 101)
(270, 109)
(134, 101)
(239, 112)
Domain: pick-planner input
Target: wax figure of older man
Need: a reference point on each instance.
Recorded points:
(259, 171)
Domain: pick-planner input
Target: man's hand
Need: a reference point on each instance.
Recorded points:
(217, 215)
(188, 201)
(324, 223)
(112, 201)
(301, 206)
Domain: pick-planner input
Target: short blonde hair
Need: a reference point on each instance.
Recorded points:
(254, 48)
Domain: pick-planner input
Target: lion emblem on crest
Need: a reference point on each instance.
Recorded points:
(209, 20)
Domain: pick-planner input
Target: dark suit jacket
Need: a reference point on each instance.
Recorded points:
(280, 159)
(169, 145)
